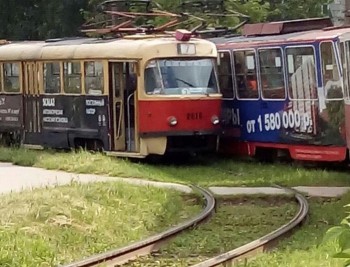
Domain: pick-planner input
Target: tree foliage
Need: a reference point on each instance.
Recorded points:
(296, 9)
(40, 19)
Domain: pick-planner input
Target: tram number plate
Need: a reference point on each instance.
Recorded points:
(194, 116)
(186, 49)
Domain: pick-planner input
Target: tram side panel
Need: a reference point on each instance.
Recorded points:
(303, 127)
(69, 121)
(306, 133)
(11, 113)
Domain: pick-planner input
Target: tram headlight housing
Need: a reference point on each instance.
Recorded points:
(172, 121)
(215, 120)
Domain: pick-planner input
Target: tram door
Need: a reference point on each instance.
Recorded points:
(122, 95)
(32, 124)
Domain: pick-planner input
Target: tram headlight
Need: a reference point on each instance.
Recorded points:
(172, 121)
(215, 120)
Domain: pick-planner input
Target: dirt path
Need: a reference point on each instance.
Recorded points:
(16, 178)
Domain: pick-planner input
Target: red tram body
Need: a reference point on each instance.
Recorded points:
(286, 91)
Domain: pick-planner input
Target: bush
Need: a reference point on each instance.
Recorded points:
(341, 235)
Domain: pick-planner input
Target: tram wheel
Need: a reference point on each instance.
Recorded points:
(88, 144)
(14, 139)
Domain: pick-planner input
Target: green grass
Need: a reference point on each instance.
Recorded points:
(205, 172)
(234, 224)
(303, 249)
(47, 227)
(306, 248)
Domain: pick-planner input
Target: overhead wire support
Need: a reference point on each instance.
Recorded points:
(121, 17)
(205, 9)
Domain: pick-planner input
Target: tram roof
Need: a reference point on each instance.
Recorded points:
(131, 47)
(296, 37)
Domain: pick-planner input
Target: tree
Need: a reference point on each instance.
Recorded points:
(296, 9)
(257, 10)
(40, 19)
(61, 18)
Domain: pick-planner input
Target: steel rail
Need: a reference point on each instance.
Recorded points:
(262, 244)
(123, 255)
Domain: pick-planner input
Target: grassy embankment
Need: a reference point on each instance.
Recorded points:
(205, 172)
(301, 250)
(58, 225)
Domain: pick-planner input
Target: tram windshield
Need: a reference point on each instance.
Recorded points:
(181, 77)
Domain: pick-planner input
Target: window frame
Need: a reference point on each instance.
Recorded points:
(60, 77)
(285, 77)
(256, 71)
(337, 51)
(230, 52)
(338, 67)
(287, 72)
(346, 84)
(103, 76)
(81, 64)
(2, 77)
(215, 70)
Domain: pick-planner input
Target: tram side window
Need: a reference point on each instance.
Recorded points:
(345, 54)
(301, 73)
(130, 76)
(225, 75)
(11, 77)
(271, 74)
(245, 74)
(72, 77)
(52, 78)
(331, 78)
(94, 78)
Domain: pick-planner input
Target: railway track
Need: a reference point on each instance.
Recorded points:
(262, 244)
(122, 255)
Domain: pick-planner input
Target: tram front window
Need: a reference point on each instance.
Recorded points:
(180, 77)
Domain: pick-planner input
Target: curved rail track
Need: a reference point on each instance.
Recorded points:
(120, 256)
(262, 244)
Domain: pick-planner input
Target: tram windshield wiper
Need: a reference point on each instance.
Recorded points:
(187, 83)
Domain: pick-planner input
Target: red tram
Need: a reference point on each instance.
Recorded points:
(144, 92)
(286, 91)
